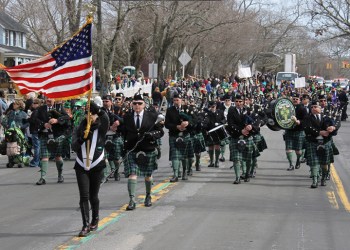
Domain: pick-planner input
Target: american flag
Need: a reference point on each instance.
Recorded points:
(64, 73)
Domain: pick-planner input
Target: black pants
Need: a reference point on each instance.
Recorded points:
(89, 185)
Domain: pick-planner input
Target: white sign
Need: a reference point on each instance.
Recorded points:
(153, 70)
(244, 72)
(185, 58)
(300, 82)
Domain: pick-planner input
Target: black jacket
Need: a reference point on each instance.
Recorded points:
(132, 135)
(59, 128)
(102, 124)
(237, 122)
(312, 127)
(174, 118)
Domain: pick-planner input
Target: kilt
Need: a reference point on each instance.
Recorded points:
(118, 145)
(44, 152)
(198, 143)
(334, 147)
(260, 142)
(180, 153)
(312, 159)
(225, 142)
(294, 140)
(131, 167)
(250, 151)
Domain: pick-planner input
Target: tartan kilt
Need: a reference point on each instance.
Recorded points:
(44, 152)
(198, 143)
(180, 153)
(117, 150)
(250, 151)
(312, 159)
(131, 167)
(225, 142)
(335, 149)
(294, 140)
(260, 142)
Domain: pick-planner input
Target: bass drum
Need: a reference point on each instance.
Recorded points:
(279, 114)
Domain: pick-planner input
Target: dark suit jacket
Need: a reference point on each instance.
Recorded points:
(236, 122)
(59, 128)
(173, 118)
(312, 127)
(132, 135)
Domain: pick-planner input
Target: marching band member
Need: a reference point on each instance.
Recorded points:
(225, 107)
(198, 138)
(141, 129)
(180, 124)
(89, 175)
(294, 138)
(242, 147)
(53, 126)
(213, 118)
(319, 152)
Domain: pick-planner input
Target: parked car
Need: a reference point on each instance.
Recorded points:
(328, 83)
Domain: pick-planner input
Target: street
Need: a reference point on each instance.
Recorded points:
(276, 210)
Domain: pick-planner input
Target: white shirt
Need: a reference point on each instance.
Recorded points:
(140, 117)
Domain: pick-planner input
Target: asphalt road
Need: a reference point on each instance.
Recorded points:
(276, 210)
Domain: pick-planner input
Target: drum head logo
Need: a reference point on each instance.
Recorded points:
(284, 110)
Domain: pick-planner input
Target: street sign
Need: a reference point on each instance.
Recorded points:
(152, 70)
(184, 58)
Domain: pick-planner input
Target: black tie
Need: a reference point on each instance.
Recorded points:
(138, 121)
(317, 118)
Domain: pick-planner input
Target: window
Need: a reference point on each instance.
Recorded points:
(20, 40)
(14, 38)
(7, 37)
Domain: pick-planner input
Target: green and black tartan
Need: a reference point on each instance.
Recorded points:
(260, 142)
(181, 153)
(131, 167)
(313, 159)
(118, 145)
(250, 151)
(294, 140)
(198, 143)
(225, 141)
(44, 152)
(334, 147)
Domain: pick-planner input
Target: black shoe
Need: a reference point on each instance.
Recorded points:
(303, 160)
(184, 177)
(297, 165)
(328, 177)
(41, 182)
(198, 168)
(117, 177)
(20, 166)
(9, 165)
(291, 168)
(323, 182)
(247, 178)
(211, 165)
(148, 200)
(222, 159)
(174, 179)
(237, 181)
(216, 165)
(60, 179)
(314, 185)
(84, 231)
(94, 224)
(131, 206)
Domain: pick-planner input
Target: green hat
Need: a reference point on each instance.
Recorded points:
(67, 105)
(78, 104)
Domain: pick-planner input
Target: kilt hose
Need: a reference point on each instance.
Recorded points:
(198, 143)
(146, 170)
(179, 154)
(313, 159)
(44, 151)
(294, 140)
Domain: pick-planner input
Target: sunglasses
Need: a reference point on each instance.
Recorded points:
(295, 99)
(137, 103)
(118, 99)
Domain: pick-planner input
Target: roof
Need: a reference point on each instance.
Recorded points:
(11, 24)
(17, 50)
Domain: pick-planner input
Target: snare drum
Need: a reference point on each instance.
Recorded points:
(218, 134)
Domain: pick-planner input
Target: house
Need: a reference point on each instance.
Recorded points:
(13, 45)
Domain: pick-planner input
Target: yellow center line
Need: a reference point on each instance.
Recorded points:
(332, 199)
(340, 188)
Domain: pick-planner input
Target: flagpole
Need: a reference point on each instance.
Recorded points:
(87, 130)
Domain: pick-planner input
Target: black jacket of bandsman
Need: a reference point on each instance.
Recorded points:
(174, 117)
